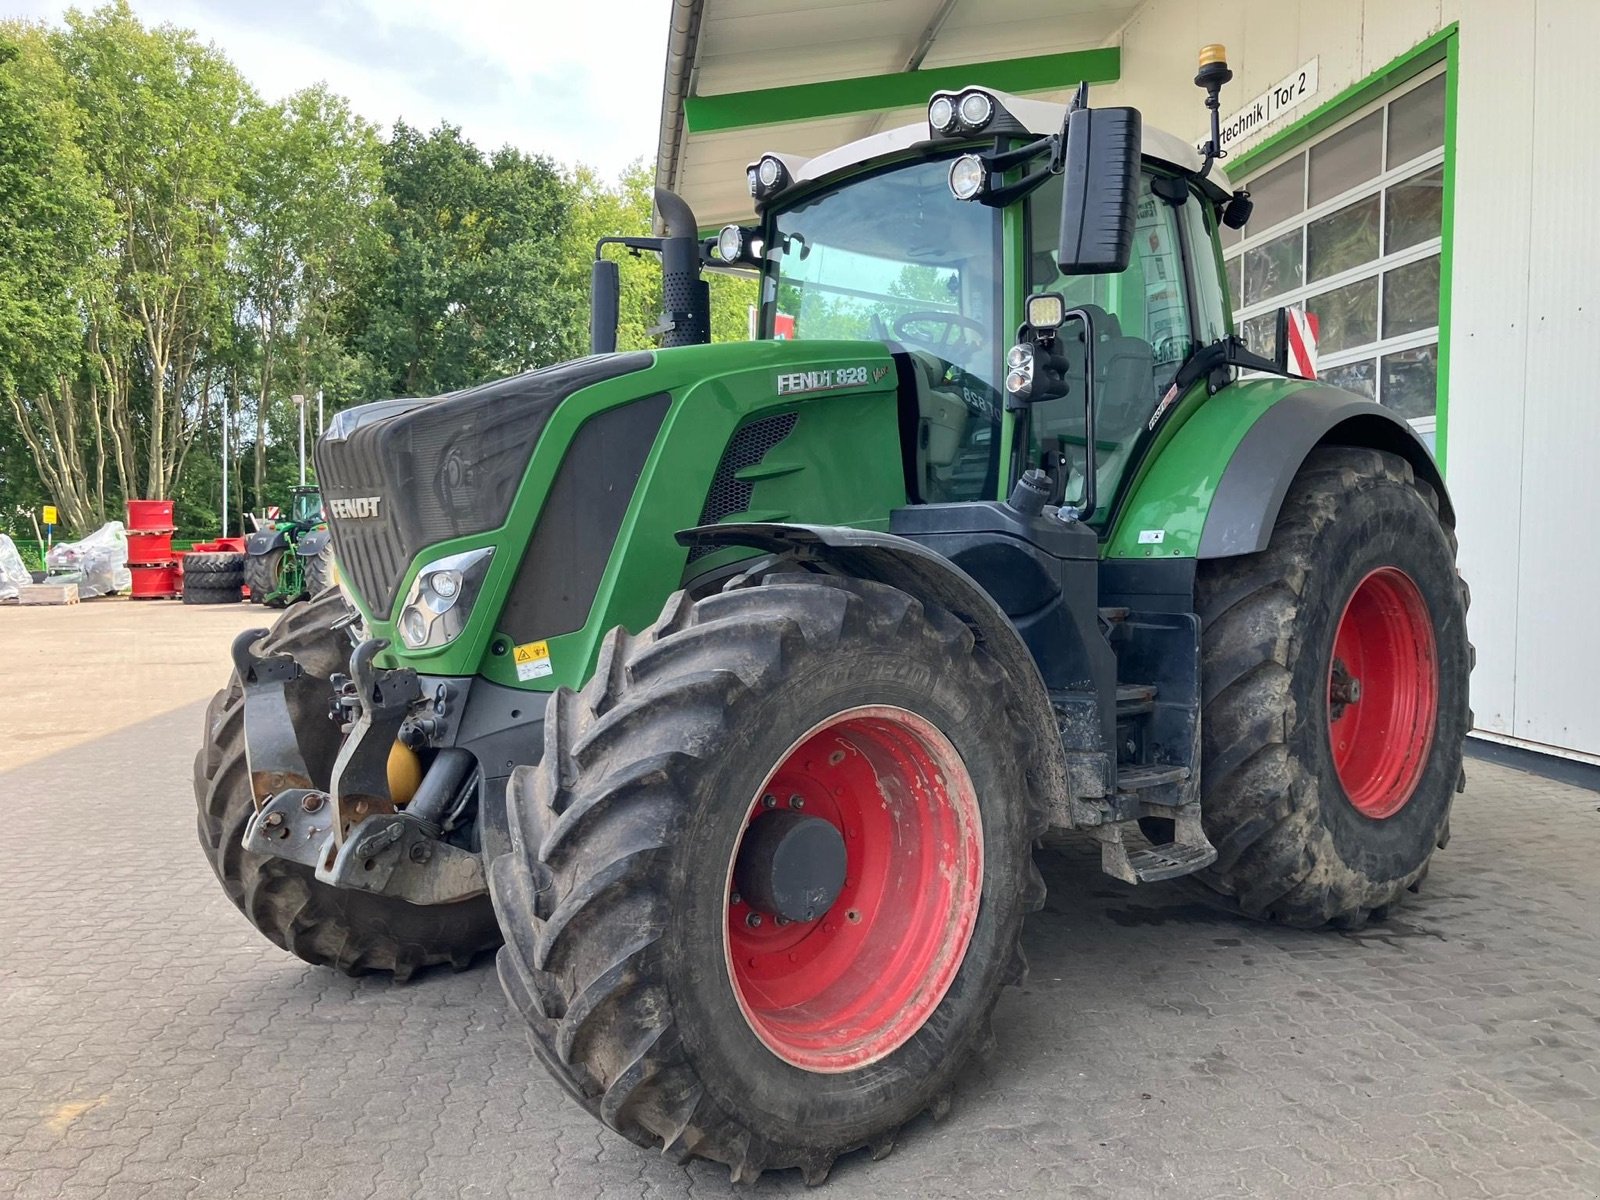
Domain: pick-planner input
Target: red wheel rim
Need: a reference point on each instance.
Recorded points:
(854, 985)
(1383, 692)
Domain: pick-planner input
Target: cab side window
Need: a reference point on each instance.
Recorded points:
(1143, 332)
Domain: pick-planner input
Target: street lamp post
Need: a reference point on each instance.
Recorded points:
(300, 403)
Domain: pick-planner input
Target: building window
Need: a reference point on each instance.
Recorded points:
(1351, 228)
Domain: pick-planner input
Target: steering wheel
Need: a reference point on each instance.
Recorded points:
(952, 329)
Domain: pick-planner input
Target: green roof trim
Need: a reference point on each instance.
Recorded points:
(872, 93)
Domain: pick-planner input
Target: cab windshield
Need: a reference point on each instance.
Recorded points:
(893, 257)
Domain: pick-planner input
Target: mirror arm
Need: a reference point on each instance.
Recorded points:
(1009, 193)
(632, 243)
(1229, 351)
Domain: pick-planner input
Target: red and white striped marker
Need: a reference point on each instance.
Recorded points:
(1302, 339)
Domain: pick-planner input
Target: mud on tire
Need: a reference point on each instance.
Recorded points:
(357, 932)
(1292, 846)
(614, 893)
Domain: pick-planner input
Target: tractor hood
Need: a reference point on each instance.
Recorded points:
(400, 476)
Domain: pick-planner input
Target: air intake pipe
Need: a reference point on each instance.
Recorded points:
(686, 297)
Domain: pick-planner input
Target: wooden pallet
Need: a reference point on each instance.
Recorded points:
(48, 593)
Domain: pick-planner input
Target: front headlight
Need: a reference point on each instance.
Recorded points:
(441, 598)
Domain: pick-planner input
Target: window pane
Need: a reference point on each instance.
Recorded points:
(1411, 381)
(1416, 122)
(1414, 210)
(1272, 268)
(1346, 317)
(1278, 195)
(1358, 377)
(1261, 334)
(1347, 159)
(1411, 297)
(1342, 240)
(1235, 278)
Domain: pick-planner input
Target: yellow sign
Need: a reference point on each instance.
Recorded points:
(533, 660)
(50, 515)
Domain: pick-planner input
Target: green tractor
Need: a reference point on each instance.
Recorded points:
(732, 687)
(289, 558)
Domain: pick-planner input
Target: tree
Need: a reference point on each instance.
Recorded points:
(472, 283)
(54, 227)
(311, 171)
(160, 119)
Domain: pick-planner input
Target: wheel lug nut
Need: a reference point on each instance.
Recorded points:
(782, 921)
(797, 801)
(735, 899)
(769, 802)
(753, 920)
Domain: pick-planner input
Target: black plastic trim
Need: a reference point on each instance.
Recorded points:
(577, 526)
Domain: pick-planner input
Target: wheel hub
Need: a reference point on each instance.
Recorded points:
(887, 860)
(790, 866)
(1383, 692)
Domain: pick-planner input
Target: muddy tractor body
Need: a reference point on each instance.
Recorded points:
(733, 686)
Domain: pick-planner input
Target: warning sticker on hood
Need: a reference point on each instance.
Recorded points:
(533, 660)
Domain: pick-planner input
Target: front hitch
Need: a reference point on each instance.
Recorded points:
(352, 834)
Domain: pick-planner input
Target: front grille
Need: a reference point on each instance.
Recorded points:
(442, 468)
(729, 494)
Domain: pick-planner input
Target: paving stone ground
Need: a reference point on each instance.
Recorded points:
(153, 1045)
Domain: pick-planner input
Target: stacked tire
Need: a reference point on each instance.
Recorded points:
(213, 577)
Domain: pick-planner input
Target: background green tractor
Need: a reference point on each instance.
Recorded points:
(733, 686)
(289, 558)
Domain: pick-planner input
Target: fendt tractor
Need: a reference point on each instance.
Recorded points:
(289, 558)
(732, 686)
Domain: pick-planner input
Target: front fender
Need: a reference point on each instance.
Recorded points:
(933, 579)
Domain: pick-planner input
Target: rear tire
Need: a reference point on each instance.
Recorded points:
(212, 568)
(357, 932)
(261, 574)
(615, 894)
(1314, 825)
(194, 593)
(320, 572)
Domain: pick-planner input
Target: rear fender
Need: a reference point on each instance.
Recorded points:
(1244, 507)
(265, 540)
(914, 569)
(312, 544)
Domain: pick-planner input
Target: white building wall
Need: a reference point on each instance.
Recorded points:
(1523, 449)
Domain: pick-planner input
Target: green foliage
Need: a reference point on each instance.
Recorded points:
(179, 257)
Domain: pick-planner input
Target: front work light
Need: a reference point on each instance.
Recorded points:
(1046, 311)
(441, 598)
(942, 113)
(1019, 371)
(969, 178)
(976, 109)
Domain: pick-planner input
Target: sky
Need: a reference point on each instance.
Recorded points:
(579, 80)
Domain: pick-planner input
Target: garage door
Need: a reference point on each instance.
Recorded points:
(1350, 228)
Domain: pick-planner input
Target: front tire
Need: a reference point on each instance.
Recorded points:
(354, 931)
(1334, 670)
(650, 991)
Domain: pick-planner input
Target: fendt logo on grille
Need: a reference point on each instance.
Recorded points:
(356, 508)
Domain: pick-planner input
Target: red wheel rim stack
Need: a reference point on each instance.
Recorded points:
(151, 559)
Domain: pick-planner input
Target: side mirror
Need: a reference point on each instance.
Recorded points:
(1100, 190)
(605, 300)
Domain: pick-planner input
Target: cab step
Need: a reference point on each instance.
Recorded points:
(1134, 699)
(1188, 853)
(1138, 778)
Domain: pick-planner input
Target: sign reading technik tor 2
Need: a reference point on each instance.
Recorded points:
(1293, 90)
